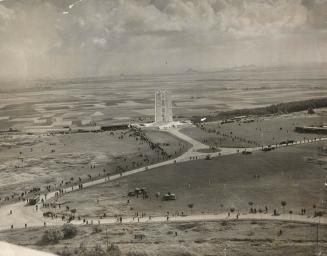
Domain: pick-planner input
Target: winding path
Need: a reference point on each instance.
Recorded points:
(22, 214)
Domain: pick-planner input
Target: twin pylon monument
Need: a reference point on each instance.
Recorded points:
(163, 112)
(163, 107)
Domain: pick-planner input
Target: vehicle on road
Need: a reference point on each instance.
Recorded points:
(169, 196)
(267, 148)
(33, 201)
(208, 157)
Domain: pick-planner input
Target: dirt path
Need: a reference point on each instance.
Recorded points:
(210, 217)
(37, 220)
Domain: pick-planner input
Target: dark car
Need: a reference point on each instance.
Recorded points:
(168, 197)
(48, 214)
(33, 201)
(131, 193)
(269, 148)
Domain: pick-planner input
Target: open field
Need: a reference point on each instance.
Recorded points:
(131, 98)
(263, 131)
(28, 161)
(293, 174)
(185, 238)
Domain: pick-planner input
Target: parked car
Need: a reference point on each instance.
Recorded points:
(48, 214)
(268, 148)
(169, 196)
(137, 191)
(33, 201)
(131, 193)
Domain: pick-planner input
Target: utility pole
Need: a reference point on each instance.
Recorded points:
(318, 252)
(317, 246)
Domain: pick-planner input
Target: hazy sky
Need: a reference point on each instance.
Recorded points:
(70, 38)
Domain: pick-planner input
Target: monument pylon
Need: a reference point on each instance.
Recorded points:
(163, 107)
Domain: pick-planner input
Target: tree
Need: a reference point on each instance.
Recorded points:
(69, 231)
(311, 110)
(52, 236)
(190, 206)
(283, 203)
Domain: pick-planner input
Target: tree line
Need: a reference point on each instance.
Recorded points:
(281, 108)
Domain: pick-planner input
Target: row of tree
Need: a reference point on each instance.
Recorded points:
(281, 108)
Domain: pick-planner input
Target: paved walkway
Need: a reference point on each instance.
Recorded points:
(22, 214)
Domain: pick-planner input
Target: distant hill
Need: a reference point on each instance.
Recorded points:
(243, 67)
(191, 71)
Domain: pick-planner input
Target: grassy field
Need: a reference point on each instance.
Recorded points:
(293, 174)
(263, 131)
(130, 98)
(32, 160)
(190, 239)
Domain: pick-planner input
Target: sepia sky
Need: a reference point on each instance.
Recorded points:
(76, 38)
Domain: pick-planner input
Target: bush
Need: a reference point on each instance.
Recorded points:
(97, 229)
(52, 236)
(65, 252)
(311, 110)
(97, 251)
(69, 231)
(134, 253)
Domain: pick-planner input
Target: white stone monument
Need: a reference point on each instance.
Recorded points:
(163, 107)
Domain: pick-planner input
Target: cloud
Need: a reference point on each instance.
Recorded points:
(317, 13)
(75, 38)
(5, 16)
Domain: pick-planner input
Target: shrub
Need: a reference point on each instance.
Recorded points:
(97, 229)
(52, 236)
(134, 253)
(69, 231)
(311, 110)
(97, 251)
(224, 223)
(65, 252)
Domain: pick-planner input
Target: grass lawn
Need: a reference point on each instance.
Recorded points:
(30, 160)
(294, 174)
(186, 238)
(265, 131)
